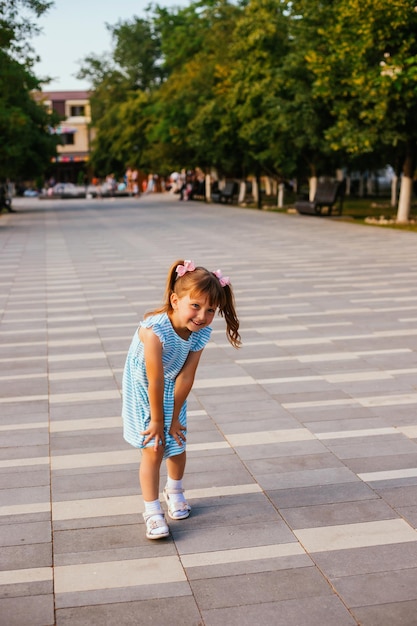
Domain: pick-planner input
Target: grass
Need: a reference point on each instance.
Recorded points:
(358, 209)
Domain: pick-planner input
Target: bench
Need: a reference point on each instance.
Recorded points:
(224, 195)
(327, 194)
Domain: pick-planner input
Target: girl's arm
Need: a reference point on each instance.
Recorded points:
(155, 374)
(183, 385)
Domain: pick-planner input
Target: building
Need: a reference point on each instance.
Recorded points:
(71, 163)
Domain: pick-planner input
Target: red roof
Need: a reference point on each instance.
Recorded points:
(65, 95)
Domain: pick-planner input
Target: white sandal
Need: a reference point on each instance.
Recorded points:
(176, 510)
(156, 526)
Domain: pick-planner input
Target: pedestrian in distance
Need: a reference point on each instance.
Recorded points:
(158, 376)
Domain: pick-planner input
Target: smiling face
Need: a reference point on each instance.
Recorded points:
(190, 315)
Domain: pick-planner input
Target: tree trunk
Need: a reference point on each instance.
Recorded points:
(404, 203)
(208, 187)
(406, 189)
(280, 199)
(312, 184)
(259, 185)
(394, 190)
(242, 191)
(267, 184)
(255, 189)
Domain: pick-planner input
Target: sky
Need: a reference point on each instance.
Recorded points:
(73, 29)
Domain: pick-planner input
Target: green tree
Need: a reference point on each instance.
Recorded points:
(194, 125)
(255, 86)
(366, 69)
(122, 84)
(26, 145)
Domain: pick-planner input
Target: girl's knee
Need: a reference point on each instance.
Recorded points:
(151, 456)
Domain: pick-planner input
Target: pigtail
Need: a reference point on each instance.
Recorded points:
(228, 311)
(169, 290)
(171, 278)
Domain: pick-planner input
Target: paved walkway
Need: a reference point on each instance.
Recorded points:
(302, 469)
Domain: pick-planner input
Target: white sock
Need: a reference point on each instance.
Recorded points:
(175, 484)
(153, 508)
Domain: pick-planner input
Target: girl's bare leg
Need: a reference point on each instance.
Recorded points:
(176, 466)
(149, 469)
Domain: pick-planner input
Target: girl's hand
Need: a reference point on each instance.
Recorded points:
(178, 432)
(154, 431)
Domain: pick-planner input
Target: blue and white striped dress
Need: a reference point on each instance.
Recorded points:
(136, 409)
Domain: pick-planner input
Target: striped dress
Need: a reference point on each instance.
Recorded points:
(136, 409)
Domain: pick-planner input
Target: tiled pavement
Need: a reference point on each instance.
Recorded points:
(302, 469)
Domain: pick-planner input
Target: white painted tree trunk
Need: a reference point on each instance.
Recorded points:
(268, 187)
(255, 189)
(242, 192)
(404, 202)
(280, 202)
(312, 188)
(208, 187)
(394, 190)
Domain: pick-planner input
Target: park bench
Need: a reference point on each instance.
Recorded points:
(327, 194)
(226, 194)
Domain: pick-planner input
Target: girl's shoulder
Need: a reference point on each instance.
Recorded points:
(160, 324)
(151, 320)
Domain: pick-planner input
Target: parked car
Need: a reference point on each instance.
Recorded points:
(65, 190)
(30, 193)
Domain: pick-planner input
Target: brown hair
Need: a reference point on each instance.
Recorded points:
(202, 281)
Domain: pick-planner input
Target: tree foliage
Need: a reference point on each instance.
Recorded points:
(366, 70)
(26, 144)
(286, 87)
(194, 120)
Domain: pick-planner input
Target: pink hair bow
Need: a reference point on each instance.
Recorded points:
(183, 269)
(224, 280)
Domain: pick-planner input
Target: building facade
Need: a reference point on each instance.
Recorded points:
(72, 161)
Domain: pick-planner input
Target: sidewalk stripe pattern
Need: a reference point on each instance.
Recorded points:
(302, 451)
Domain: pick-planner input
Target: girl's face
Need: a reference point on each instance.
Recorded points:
(190, 315)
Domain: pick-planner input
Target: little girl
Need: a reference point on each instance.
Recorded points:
(159, 373)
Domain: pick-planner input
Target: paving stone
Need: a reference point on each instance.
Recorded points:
(383, 558)
(320, 610)
(25, 495)
(233, 536)
(259, 588)
(25, 533)
(377, 588)
(340, 513)
(40, 608)
(321, 494)
(24, 477)
(403, 613)
(292, 480)
(176, 611)
(27, 556)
